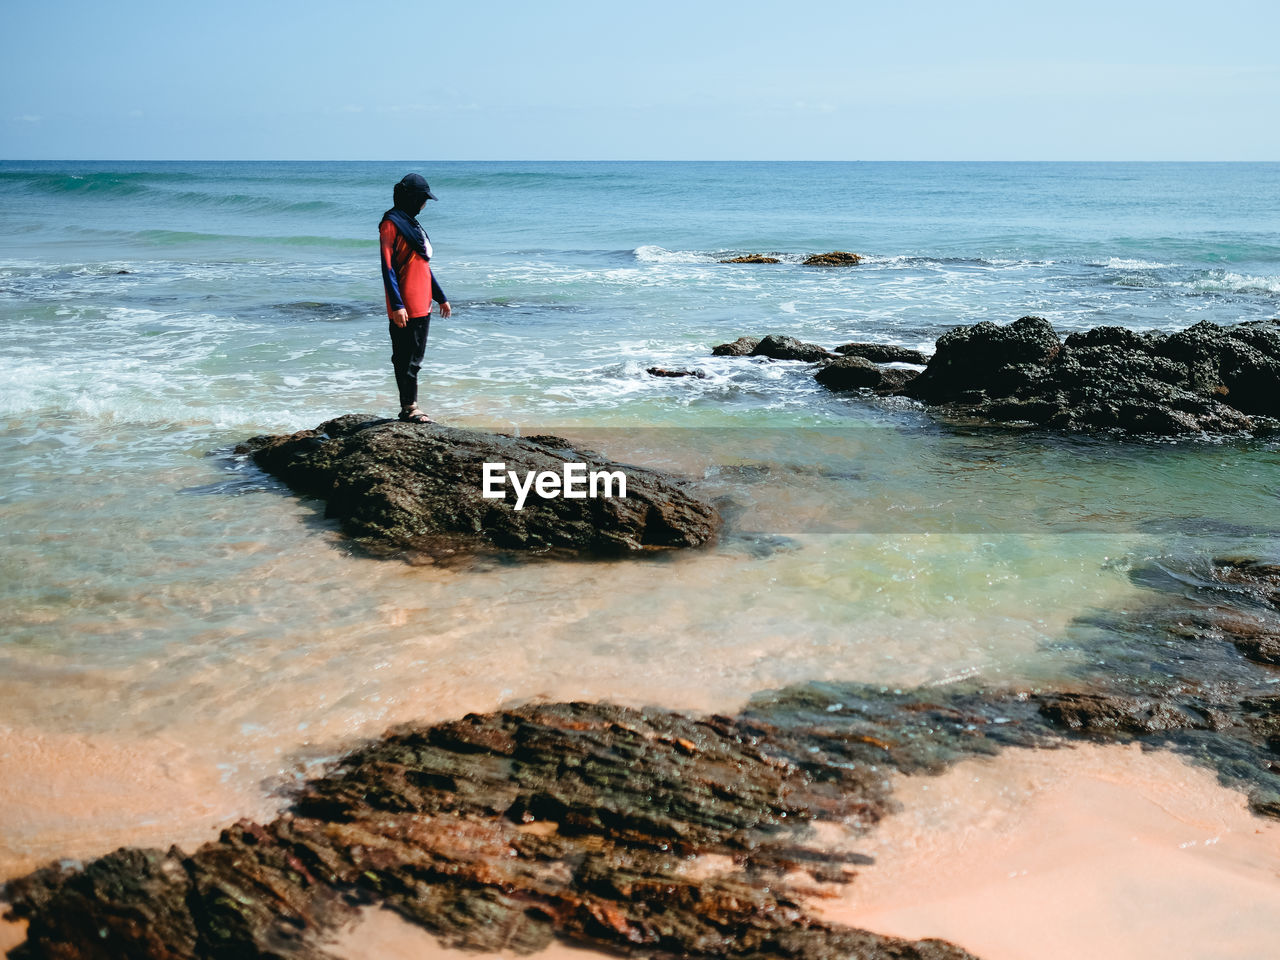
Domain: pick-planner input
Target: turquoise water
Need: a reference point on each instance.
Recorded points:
(157, 590)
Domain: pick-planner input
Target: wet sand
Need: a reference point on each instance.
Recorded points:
(1105, 852)
(79, 796)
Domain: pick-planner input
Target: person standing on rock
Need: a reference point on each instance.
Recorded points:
(410, 286)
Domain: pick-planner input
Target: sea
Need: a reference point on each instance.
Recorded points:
(181, 637)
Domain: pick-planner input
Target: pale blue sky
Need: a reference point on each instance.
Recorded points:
(658, 80)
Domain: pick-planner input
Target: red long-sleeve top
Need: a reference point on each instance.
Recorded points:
(406, 275)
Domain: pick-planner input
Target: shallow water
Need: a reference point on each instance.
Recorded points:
(179, 636)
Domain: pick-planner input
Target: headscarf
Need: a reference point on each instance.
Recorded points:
(408, 197)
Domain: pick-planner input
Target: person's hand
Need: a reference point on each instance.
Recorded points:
(400, 317)
(446, 311)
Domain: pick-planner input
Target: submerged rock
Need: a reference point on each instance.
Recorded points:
(666, 372)
(397, 486)
(1205, 379)
(836, 258)
(1187, 670)
(752, 258)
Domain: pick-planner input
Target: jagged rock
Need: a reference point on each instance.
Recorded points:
(420, 487)
(741, 347)
(665, 372)
(987, 358)
(779, 347)
(504, 831)
(882, 353)
(752, 258)
(1203, 379)
(131, 903)
(836, 258)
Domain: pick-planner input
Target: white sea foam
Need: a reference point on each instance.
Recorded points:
(651, 253)
(1128, 263)
(1229, 282)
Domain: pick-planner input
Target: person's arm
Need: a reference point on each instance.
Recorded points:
(438, 296)
(390, 282)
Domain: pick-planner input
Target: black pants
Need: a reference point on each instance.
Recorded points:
(408, 344)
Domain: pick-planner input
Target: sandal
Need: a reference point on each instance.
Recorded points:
(414, 415)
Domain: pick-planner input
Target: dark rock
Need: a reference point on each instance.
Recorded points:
(122, 273)
(988, 358)
(882, 353)
(664, 372)
(850, 373)
(836, 258)
(894, 379)
(1206, 378)
(779, 347)
(753, 258)
(131, 903)
(410, 486)
(739, 348)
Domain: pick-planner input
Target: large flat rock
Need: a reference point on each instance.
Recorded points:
(405, 486)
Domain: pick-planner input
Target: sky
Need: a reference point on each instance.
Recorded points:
(740, 80)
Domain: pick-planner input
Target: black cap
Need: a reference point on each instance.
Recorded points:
(413, 183)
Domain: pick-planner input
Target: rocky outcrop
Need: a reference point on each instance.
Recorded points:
(836, 258)
(1205, 379)
(752, 258)
(579, 822)
(419, 487)
(882, 353)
